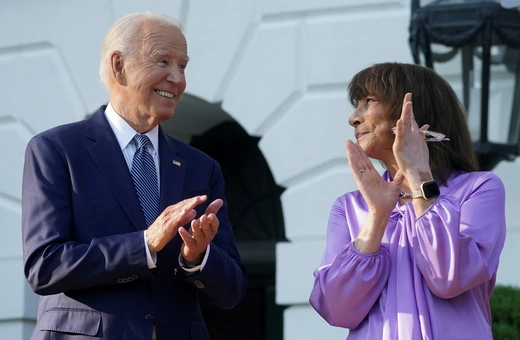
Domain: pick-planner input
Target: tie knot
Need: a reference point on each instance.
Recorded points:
(141, 140)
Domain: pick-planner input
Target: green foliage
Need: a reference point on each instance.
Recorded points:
(505, 311)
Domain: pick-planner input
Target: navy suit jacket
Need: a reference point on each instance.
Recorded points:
(83, 244)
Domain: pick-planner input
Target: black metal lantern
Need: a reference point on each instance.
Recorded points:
(480, 31)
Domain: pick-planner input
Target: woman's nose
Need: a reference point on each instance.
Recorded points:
(355, 119)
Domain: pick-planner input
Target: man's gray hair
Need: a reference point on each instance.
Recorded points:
(121, 36)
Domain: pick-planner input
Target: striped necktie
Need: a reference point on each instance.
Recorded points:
(145, 179)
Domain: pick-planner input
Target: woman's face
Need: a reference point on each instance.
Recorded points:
(373, 128)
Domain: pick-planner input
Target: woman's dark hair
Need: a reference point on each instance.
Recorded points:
(434, 103)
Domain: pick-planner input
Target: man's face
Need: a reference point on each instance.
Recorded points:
(154, 75)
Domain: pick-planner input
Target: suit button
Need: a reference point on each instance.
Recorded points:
(199, 284)
(148, 317)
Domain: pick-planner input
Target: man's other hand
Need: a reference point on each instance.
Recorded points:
(201, 233)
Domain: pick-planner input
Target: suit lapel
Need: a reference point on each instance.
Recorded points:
(109, 159)
(172, 171)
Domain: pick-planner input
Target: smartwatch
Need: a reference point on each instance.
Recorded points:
(429, 190)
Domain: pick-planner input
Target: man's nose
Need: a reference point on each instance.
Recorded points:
(176, 76)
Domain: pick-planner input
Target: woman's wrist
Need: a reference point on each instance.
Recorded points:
(369, 239)
(418, 177)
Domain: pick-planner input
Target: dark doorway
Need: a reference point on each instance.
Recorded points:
(255, 212)
(256, 215)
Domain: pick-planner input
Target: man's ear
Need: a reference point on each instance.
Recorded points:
(117, 63)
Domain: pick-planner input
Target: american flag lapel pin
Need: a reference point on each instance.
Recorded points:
(176, 162)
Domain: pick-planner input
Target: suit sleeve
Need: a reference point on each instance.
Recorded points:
(224, 276)
(54, 260)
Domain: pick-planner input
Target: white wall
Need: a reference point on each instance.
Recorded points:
(280, 68)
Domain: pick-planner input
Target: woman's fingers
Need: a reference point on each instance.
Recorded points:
(357, 158)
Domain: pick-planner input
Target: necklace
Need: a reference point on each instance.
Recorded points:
(405, 195)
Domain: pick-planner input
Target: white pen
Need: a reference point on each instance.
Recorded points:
(431, 136)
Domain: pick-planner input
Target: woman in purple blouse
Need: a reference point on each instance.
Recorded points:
(413, 254)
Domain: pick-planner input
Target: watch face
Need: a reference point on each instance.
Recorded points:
(430, 189)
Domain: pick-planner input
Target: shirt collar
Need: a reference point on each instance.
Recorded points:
(124, 132)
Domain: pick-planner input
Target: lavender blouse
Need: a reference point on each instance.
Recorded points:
(433, 275)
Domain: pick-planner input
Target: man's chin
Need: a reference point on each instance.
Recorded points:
(164, 109)
(164, 115)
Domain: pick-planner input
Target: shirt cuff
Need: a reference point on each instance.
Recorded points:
(151, 260)
(191, 269)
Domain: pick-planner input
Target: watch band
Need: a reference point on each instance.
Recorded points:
(417, 194)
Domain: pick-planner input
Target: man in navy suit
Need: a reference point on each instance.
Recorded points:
(101, 270)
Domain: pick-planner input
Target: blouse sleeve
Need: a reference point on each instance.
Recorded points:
(348, 283)
(457, 243)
